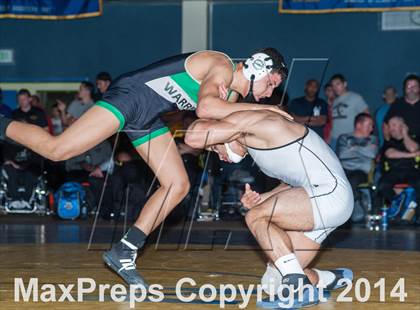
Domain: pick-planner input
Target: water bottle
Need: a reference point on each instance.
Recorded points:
(83, 212)
(384, 221)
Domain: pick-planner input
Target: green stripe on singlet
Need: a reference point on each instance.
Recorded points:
(114, 111)
(150, 136)
(191, 86)
(188, 84)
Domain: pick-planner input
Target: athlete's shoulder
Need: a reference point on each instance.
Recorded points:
(215, 58)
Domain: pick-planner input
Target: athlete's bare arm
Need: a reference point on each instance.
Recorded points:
(260, 129)
(204, 132)
(214, 70)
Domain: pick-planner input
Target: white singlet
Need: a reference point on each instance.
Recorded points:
(310, 163)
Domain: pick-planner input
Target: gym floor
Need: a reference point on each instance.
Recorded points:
(56, 252)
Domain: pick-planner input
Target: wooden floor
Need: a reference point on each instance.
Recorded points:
(64, 263)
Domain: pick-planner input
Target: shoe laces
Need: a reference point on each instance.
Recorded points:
(129, 263)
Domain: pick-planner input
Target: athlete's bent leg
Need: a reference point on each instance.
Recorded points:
(289, 210)
(269, 223)
(91, 128)
(305, 250)
(162, 156)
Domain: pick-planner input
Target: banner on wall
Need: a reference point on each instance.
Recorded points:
(50, 9)
(334, 6)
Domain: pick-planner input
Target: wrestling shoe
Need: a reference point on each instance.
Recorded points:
(122, 259)
(340, 273)
(306, 297)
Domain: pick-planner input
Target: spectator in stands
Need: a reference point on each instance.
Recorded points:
(17, 156)
(5, 110)
(346, 106)
(408, 107)
(400, 161)
(310, 109)
(36, 102)
(92, 167)
(389, 96)
(103, 80)
(357, 150)
(27, 113)
(330, 96)
(56, 121)
(79, 106)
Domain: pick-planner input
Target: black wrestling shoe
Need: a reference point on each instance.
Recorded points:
(122, 260)
(4, 122)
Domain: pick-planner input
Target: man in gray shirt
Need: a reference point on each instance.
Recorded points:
(357, 150)
(346, 106)
(79, 106)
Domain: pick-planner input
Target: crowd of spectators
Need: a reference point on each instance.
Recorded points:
(381, 148)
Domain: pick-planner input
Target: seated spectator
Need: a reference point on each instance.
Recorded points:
(310, 110)
(103, 80)
(92, 167)
(329, 94)
(389, 96)
(347, 105)
(408, 107)
(17, 157)
(27, 113)
(400, 162)
(79, 106)
(56, 121)
(357, 150)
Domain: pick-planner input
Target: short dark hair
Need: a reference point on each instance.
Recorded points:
(89, 86)
(24, 91)
(361, 117)
(327, 85)
(103, 76)
(390, 87)
(312, 80)
(279, 66)
(338, 76)
(410, 77)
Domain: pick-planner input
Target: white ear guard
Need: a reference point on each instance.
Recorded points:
(235, 158)
(257, 66)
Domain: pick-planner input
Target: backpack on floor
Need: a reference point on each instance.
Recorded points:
(69, 199)
(403, 206)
